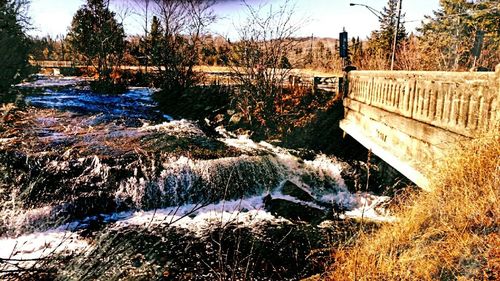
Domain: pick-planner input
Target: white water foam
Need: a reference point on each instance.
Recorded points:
(26, 251)
(176, 126)
(360, 205)
(247, 212)
(199, 220)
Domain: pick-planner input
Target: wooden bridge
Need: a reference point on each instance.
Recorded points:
(52, 63)
(410, 119)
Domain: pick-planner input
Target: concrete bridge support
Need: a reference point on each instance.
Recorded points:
(410, 119)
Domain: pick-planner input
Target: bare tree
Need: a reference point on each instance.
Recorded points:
(257, 59)
(183, 24)
(141, 8)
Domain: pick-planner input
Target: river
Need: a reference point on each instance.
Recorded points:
(108, 186)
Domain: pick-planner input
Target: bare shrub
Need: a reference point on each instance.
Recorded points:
(182, 25)
(409, 56)
(375, 61)
(257, 60)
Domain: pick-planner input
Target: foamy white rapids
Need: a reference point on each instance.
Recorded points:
(359, 205)
(26, 250)
(199, 220)
(324, 165)
(248, 212)
(369, 207)
(175, 126)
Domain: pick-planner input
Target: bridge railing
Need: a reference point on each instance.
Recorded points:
(465, 103)
(52, 63)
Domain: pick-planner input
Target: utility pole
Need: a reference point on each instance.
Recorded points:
(311, 46)
(146, 35)
(396, 31)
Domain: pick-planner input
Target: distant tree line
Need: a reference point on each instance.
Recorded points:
(176, 38)
(445, 41)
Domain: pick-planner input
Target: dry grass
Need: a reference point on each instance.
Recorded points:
(451, 233)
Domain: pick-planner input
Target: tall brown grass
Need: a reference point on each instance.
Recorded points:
(451, 233)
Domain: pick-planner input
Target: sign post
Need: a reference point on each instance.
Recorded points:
(478, 45)
(343, 45)
(344, 54)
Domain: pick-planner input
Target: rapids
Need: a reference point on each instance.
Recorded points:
(76, 164)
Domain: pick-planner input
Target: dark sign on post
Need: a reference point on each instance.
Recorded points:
(478, 44)
(344, 44)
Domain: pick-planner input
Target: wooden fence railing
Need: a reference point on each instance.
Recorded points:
(53, 64)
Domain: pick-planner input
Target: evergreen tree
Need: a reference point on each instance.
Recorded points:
(448, 37)
(14, 44)
(154, 41)
(285, 63)
(357, 52)
(223, 55)
(97, 37)
(382, 40)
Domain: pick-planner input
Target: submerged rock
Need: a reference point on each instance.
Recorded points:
(290, 188)
(295, 211)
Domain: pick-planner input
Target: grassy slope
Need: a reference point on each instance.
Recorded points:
(451, 233)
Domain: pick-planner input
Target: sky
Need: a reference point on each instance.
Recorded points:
(323, 18)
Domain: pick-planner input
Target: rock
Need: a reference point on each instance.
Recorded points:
(292, 210)
(316, 277)
(289, 188)
(236, 118)
(219, 118)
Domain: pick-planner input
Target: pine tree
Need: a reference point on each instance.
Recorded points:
(448, 37)
(381, 41)
(357, 52)
(14, 44)
(155, 41)
(97, 37)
